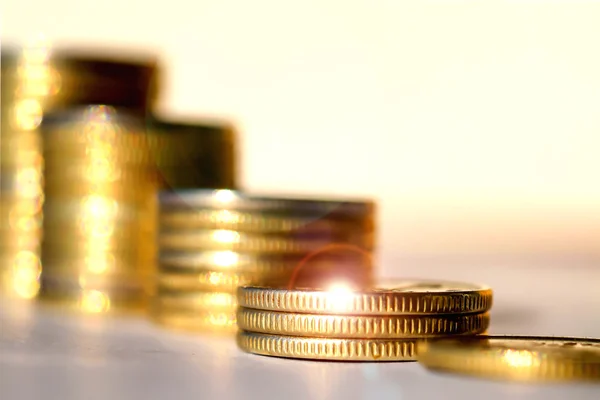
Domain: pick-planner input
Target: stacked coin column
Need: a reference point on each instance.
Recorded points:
(200, 155)
(27, 88)
(384, 322)
(100, 187)
(210, 242)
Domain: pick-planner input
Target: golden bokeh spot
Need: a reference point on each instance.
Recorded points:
(225, 258)
(225, 236)
(27, 114)
(224, 196)
(94, 301)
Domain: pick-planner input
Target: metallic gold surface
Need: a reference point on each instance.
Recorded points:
(99, 219)
(224, 239)
(241, 202)
(36, 81)
(196, 155)
(227, 260)
(518, 358)
(387, 298)
(327, 348)
(255, 222)
(358, 326)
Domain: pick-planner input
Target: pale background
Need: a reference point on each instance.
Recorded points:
(476, 124)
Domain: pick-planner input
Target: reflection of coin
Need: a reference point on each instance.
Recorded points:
(196, 300)
(203, 280)
(400, 297)
(520, 358)
(196, 321)
(327, 348)
(360, 326)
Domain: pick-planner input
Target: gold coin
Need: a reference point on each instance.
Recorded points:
(353, 326)
(106, 263)
(204, 280)
(327, 348)
(519, 358)
(224, 199)
(227, 260)
(196, 300)
(259, 222)
(222, 239)
(388, 298)
(196, 321)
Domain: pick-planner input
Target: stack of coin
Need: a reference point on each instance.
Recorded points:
(345, 322)
(27, 90)
(199, 155)
(212, 241)
(100, 184)
(36, 80)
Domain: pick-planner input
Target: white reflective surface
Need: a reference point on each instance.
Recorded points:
(44, 355)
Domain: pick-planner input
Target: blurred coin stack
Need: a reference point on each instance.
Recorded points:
(100, 184)
(344, 322)
(195, 155)
(28, 89)
(212, 241)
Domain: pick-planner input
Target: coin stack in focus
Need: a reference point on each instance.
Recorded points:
(199, 155)
(100, 184)
(212, 241)
(344, 322)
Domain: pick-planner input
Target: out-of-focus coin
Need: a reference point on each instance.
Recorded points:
(229, 199)
(196, 321)
(239, 241)
(359, 326)
(327, 348)
(95, 208)
(105, 263)
(196, 300)
(255, 222)
(519, 358)
(227, 260)
(387, 298)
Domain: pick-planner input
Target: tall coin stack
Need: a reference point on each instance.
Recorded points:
(28, 89)
(349, 323)
(100, 185)
(212, 241)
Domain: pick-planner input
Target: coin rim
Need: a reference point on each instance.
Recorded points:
(451, 355)
(360, 326)
(475, 300)
(313, 348)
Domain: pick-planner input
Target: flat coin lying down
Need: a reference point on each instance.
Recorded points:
(388, 298)
(361, 326)
(519, 358)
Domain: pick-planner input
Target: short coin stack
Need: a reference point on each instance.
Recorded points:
(383, 323)
(212, 241)
(195, 155)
